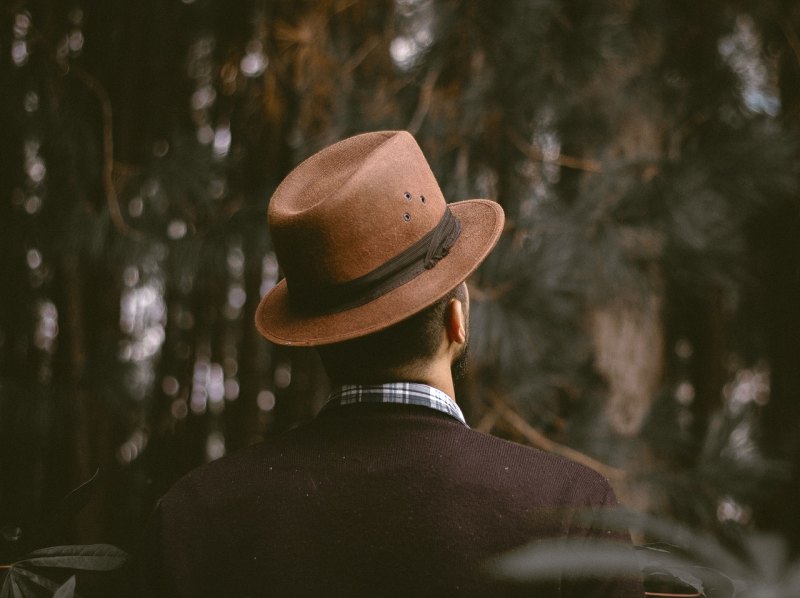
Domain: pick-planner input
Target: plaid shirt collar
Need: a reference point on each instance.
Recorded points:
(405, 393)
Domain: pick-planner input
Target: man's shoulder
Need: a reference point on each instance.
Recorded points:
(536, 466)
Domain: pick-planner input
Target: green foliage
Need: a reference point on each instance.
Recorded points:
(758, 565)
(95, 557)
(35, 572)
(66, 590)
(31, 571)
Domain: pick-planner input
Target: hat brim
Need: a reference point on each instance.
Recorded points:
(481, 225)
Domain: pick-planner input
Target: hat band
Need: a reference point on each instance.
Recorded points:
(422, 255)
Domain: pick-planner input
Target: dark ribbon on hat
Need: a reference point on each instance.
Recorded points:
(421, 256)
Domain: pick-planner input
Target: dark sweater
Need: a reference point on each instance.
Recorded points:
(368, 500)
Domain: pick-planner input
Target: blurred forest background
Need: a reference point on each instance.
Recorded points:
(641, 314)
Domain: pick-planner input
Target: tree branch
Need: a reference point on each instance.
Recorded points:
(539, 440)
(357, 58)
(488, 421)
(114, 209)
(791, 37)
(425, 99)
(585, 164)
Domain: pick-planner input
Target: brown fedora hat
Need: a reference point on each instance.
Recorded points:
(365, 239)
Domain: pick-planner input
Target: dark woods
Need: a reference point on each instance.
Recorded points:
(641, 314)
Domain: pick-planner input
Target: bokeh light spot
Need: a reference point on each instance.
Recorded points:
(176, 229)
(31, 101)
(19, 52)
(254, 62)
(231, 389)
(266, 400)
(222, 141)
(283, 375)
(136, 207)
(33, 204)
(170, 386)
(215, 446)
(34, 258)
(179, 409)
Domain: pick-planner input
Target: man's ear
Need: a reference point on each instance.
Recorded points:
(456, 322)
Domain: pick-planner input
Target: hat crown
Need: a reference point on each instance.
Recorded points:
(348, 209)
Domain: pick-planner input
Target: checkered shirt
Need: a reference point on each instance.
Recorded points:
(406, 393)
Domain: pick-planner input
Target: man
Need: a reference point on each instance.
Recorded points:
(387, 492)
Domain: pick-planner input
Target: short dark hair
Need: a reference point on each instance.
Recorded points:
(369, 358)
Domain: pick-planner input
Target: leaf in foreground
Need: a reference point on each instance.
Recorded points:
(66, 590)
(552, 559)
(91, 557)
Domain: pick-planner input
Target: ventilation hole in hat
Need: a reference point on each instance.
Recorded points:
(406, 216)
(407, 195)
(422, 197)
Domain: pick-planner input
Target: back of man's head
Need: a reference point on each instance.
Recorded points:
(399, 350)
